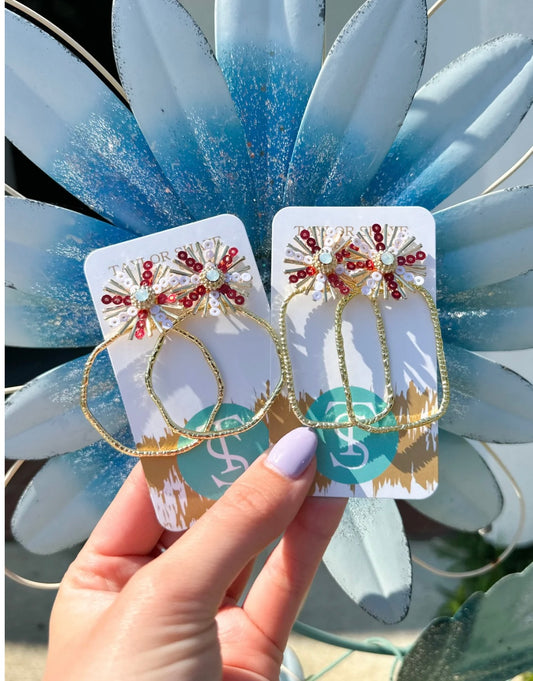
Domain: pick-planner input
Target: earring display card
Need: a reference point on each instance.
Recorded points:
(392, 251)
(183, 486)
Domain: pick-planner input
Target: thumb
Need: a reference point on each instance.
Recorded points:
(254, 511)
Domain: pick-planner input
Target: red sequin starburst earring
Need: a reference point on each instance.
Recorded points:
(140, 300)
(319, 264)
(212, 279)
(387, 262)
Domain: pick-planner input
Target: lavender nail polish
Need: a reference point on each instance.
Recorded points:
(293, 453)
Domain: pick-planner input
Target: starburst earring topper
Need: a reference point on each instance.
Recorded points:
(212, 280)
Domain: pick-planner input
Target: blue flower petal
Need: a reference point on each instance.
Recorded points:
(358, 103)
(497, 317)
(468, 497)
(457, 121)
(44, 418)
(47, 300)
(67, 497)
(270, 53)
(68, 122)
(369, 558)
(484, 240)
(489, 402)
(183, 106)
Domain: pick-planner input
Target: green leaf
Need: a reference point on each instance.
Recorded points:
(489, 638)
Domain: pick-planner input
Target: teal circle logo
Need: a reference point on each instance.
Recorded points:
(212, 466)
(351, 455)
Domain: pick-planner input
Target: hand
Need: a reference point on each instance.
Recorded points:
(126, 611)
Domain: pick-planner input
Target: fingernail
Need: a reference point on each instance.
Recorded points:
(293, 453)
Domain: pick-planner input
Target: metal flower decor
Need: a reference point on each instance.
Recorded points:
(262, 125)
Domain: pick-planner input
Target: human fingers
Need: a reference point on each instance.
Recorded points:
(121, 543)
(278, 592)
(253, 512)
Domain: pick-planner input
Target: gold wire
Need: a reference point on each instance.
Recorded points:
(139, 453)
(366, 426)
(206, 433)
(45, 586)
(389, 392)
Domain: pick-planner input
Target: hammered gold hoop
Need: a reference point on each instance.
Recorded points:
(353, 419)
(212, 279)
(119, 446)
(319, 264)
(206, 433)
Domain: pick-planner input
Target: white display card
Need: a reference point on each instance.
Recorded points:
(351, 461)
(183, 486)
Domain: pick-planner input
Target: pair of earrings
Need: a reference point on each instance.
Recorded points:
(210, 279)
(206, 279)
(381, 263)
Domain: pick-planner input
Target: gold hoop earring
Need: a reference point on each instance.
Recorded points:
(394, 260)
(320, 264)
(213, 280)
(139, 300)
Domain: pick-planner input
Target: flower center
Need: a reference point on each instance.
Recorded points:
(324, 261)
(142, 297)
(386, 262)
(211, 277)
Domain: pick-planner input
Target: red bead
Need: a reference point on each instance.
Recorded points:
(369, 265)
(338, 256)
(420, 255)
(141, 324)
(310, 270)
(360, 264)
(198, 267)
(200, 290)
(410, 259)
(106, 299)
(233, 251)
(161, 299)
(182, 255)
(305, 234)
(147, 275)
(139, 333)
(344, 290)
(378, 236)
(239, 300)
(311, 242)
(333, 279)
(376, 228)
(224, 288)
(186, 302)
(117, 300)
(400, 260)
(193, 295)
(353, 247)
(227, 259)
(315, 249)
(388, 276)
(231, 293)
(380, 246)
(142, 314)
(350, 265)
(302, 274)
(392, 285)
(190, 262)
(148, 264)
(127, 300)
(293, 278)
(396, 294)
(222, 266)
(171, 298)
